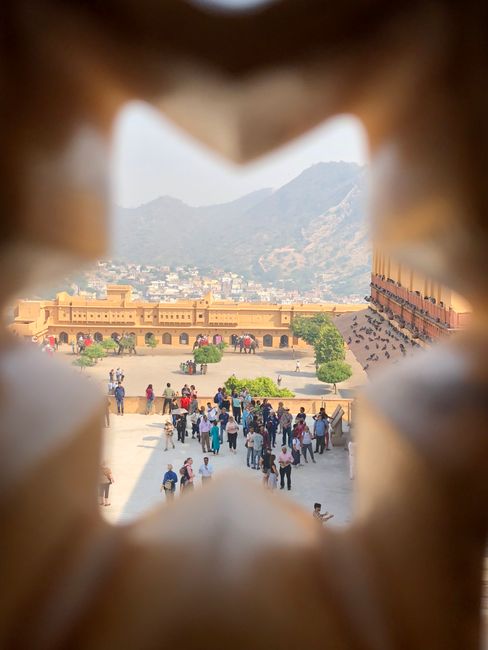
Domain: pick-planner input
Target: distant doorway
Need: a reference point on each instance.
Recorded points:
(284, 341)
(167, 338)
(63, 337)
(184, 339)
(98, 337)
(148, 337)
(267, 341)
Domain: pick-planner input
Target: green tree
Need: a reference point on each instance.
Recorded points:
(83, 362)
(333, 372)
(329, 346)
(207, 354)
(128, 342)
(94, 352)
(151, 341)
(258, 387)
(109, 344)
(308, 328)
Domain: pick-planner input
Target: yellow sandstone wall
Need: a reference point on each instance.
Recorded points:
(174, 324)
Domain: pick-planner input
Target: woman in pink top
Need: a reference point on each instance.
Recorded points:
(232, 430)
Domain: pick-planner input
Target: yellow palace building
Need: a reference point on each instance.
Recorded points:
(174, 324)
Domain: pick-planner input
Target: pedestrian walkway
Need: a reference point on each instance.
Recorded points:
(134, 450)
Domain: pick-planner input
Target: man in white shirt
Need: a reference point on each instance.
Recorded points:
(205, 471)
(211, 412)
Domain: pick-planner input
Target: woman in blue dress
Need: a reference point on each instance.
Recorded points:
(215, 438)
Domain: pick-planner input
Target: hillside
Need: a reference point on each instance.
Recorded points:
(310, 231)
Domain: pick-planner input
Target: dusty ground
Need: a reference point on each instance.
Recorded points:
(159, 366)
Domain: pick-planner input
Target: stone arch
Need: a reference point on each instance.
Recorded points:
(217, 338)
(63, 337)
(184, 338)
(80, 334)
(167, 338)
(148, 336)
(267, 341)
(98, 337)
(284, 341)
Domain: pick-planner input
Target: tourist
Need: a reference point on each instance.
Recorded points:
(352, 459)
(301, 415)
(247, 419)
(319, 429)
(265, 465)
(223, 419)
(273, 474)
(266, 409)
(278, 381)
(168, 484)
(193, 403)
(105, 481)
(215, 438)
(168, 395)
(218, 397)
(297, 365)
(168, 434)
(225, 403)
(257, 449)
(321, 518)
(272, 427)
(285, 423)
(307, 444)
(285, 460)
(118, 375)
(295, 450)
(185, 402)
(181, 426)
(119, 393)
(111, 376)
(204, 428)
(186, 476)
(266, 437)
(236, 407)
(250, 446)
(205, 471)
(149, 399)
(211, 412)
(185, 391)
(232, 429)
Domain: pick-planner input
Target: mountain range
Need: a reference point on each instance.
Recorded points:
(311, 231)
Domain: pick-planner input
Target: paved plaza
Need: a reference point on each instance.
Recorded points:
(135, 452)
(161, 365)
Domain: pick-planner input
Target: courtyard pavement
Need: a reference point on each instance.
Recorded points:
(134, 450)
(162, 365)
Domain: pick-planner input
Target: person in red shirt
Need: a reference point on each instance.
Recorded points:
(185, 402)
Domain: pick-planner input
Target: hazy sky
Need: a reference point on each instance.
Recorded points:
(153, 158)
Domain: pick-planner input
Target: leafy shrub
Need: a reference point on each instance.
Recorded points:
(258, 387)
(109, 344)
(94, 352)
(207, 354)
(83, 362)
(333, 372)
(151, 341)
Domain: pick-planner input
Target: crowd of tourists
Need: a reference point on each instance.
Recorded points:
(261, 427)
